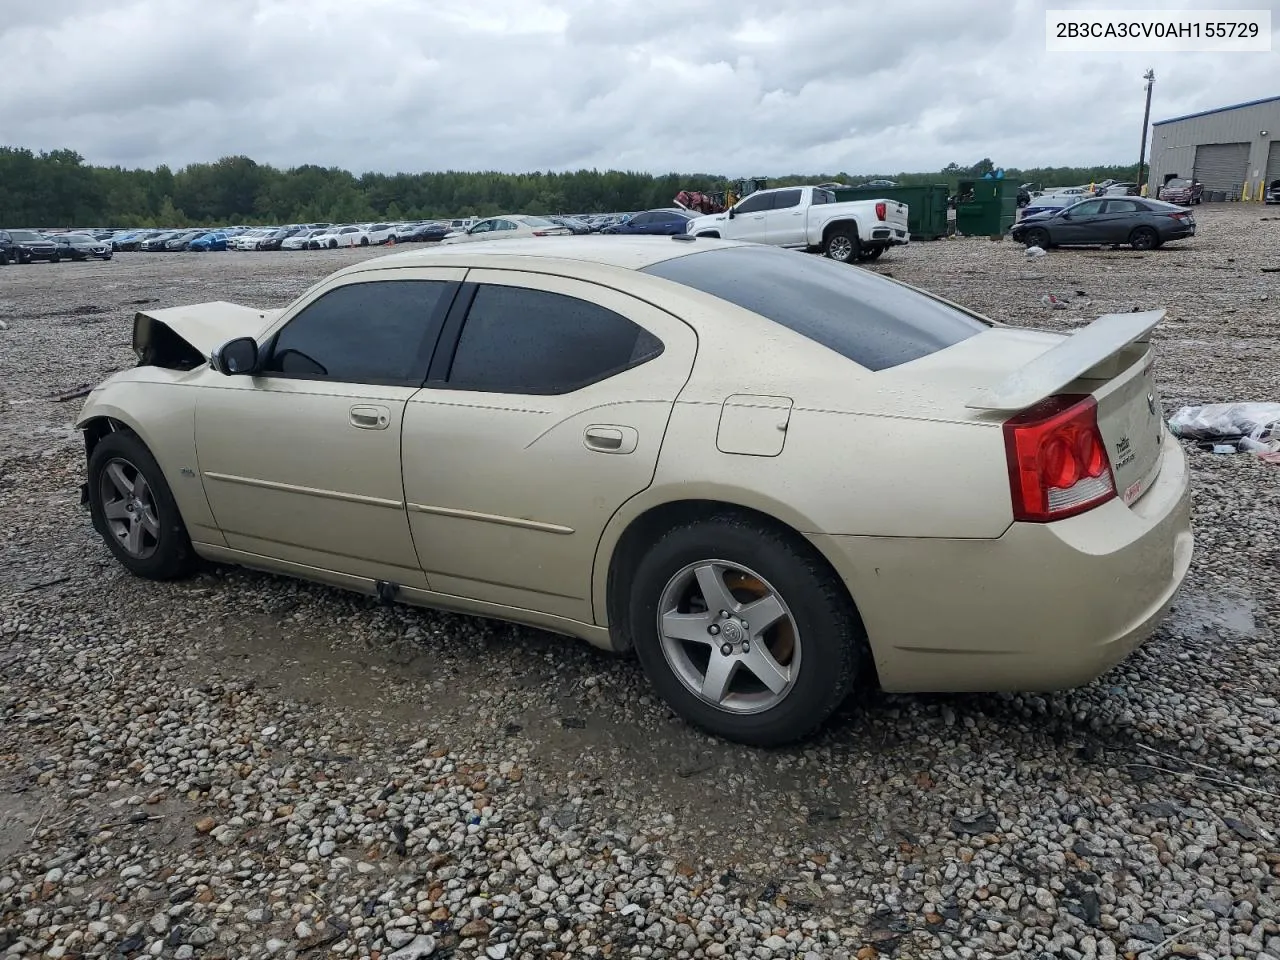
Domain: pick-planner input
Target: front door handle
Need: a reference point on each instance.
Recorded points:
(370, 416)
(610, 438)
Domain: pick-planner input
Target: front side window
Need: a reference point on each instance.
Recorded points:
(756, 203)
(369, 332)
(518, 340)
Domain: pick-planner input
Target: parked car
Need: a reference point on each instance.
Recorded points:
(331, 238)
(81, 246)
(300, 240)
(577, 227)
(249, 239)
(1141, 223)
(635, 496)
(668, 221)
(27, 245)
(809, 218)
(1183, 191)
(1047, 204)
(508, 227)
(8, 252)
(217, 240)
(182, 241)
(157, 242)
(130, 239)
(1273, 192)
(424, 232)
(1121, 189)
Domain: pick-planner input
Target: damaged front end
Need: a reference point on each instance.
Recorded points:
(183, 338)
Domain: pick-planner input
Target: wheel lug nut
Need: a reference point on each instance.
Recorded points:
(726, 649)
(714, 629)
(746, 647)
(724, 614)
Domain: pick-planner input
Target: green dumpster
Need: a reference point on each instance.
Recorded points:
(926, 206)
(986, 208)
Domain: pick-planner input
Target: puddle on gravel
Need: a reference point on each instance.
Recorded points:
(1200, 614)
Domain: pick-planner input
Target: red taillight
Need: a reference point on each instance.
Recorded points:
(880, 210)
(1178, 216)
(1058, 463)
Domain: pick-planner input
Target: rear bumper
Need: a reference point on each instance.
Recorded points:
(1043, 607)
(890, 236)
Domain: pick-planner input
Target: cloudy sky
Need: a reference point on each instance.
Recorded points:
(737, 87)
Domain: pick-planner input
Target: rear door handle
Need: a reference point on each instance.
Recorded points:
(610, 438)
(370, 416)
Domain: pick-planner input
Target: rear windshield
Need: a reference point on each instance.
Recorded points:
(863, 317)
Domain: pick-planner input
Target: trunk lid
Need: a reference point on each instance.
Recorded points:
(1002, 371)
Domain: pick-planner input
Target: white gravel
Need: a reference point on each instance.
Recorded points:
(245, 766)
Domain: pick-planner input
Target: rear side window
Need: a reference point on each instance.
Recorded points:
(518, 340)
(362, 333)
(786, 198)
(865, 318)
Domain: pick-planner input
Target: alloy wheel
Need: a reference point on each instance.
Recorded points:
(129, 507)
(729, 637)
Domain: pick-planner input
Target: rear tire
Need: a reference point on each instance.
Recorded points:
(810, 646)
(1144, 238)
(119, 504)
(843, 245)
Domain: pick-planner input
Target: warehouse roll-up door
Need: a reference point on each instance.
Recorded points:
(1223, 166)
(1273, 162)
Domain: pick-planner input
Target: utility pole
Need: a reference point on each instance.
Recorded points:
(1150, 77)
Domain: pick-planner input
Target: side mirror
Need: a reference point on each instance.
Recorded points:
(236, 357)
(731, 213)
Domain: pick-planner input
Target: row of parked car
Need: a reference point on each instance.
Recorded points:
(26, 246)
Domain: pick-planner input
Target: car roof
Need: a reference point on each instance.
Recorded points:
(625, 252)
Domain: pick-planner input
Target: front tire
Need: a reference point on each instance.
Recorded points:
(133, 509)
(364, 241)
(744, 631)
(333, 244)
(843, 245)
(56, 258)
(1038, 237)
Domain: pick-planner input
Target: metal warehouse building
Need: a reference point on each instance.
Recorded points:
(1232, 149)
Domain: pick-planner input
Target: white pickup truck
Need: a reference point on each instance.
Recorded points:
(809, 218)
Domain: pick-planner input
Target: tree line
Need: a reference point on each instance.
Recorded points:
(58, 188)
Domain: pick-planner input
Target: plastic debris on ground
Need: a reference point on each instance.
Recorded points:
(1053, 303)
(1034, 253)
(1232, 428)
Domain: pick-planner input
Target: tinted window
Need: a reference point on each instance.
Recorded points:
(517, 340)
(360, 333)
(641, 220)
(1087, 209)
(1122, 206)
(786, 198)
(755, 203)
(25, 235)
(864, 317)
(820, 196)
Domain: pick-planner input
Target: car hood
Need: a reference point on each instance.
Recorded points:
(202, 326)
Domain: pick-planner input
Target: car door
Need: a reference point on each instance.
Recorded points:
(1118, 219)
(749, 219)
(1079, 223)
(785, 220)
(301, 460)
(543, 420)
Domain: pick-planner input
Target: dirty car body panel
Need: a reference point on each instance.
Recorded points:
(879, 428)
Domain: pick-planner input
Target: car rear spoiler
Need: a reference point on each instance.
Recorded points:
(1075, 356)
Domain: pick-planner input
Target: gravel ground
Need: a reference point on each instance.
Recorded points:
(241, 765)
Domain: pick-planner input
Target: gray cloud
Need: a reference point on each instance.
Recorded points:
(744, 88)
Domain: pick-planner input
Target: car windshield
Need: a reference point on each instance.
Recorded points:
(862, 316)
(1178, 184)
(78, 238)
(25, 235)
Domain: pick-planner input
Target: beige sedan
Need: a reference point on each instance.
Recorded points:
(765, 473)
(511, 227)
